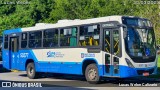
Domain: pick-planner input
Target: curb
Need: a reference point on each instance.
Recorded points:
(14, 71)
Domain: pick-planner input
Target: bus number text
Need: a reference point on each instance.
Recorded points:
(24, 55)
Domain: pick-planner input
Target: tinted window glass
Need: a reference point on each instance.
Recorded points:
(35, 39)
(50, 38)
(6, 42)
(24, 40)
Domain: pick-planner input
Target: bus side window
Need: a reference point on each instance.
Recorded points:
(89, 35)
(50, 38)
(68, 37)
(35, 39)
(23, 40)
(5, 41)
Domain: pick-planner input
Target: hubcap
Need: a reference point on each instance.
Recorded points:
(31, 71)
(92, 74)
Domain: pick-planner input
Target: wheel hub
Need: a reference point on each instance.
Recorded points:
(92, 74)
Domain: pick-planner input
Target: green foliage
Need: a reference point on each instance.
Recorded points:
(50, 11)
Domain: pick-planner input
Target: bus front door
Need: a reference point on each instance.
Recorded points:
(14, 47)
(111, 48)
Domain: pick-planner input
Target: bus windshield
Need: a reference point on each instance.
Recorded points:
(140, 43)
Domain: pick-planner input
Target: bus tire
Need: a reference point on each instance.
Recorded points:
(31, 72)
(91, 74)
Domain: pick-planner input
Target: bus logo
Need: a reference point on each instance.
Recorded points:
(83, 55)
(55, 54)
(50, 54)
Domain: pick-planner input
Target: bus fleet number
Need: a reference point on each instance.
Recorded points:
(24, 55)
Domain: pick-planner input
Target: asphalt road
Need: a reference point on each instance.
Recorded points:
(59, 81)
(72, 82)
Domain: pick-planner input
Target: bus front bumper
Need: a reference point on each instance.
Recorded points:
(126, 72)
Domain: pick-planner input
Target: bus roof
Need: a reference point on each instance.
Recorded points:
(67, 23)
(76, 22)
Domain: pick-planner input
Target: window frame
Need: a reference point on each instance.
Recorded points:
(77, 28)
(78, 37)
(49, 38)
(34, 39)
(6, 42)
(20, 46)
(120, 42)
(111, 39)
(100, 35)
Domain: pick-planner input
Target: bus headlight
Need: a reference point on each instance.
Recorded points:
(129, 63)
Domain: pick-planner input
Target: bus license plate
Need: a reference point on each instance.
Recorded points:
(145, 74)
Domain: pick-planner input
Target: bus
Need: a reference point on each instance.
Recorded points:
(111, 46)
(1, 38)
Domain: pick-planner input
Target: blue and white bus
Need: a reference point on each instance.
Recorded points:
(1, 39)
(112, 46)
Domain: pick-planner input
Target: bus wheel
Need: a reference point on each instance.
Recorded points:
(31, 73)
(91, 74)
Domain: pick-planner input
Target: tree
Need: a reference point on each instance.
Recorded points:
(50, 11)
